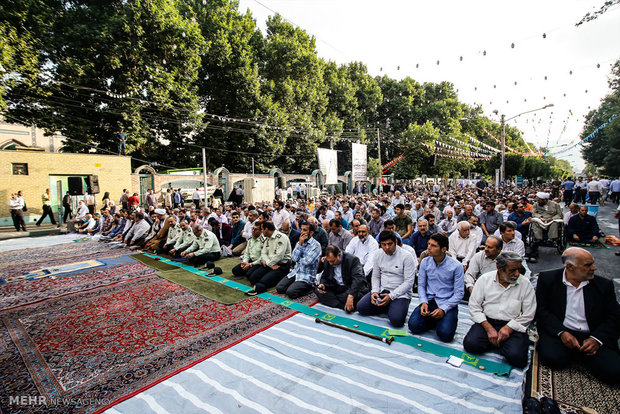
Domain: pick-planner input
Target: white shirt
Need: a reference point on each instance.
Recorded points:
(363, 251)
(515, 303)
(478, 265)
(594, 186)
(338, 274)
(460, 247)
(448, 225)
(196, 195)
(575, 317)
(477, 233)
(514, 245)
(279, 217)
(394, 272)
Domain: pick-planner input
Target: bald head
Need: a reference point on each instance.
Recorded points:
(579, 265)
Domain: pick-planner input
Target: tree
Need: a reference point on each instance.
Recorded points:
(416, 157)
(373, 168)
(112, 65)
(602, 127)
(602, 10)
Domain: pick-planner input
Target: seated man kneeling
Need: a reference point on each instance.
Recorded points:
(578, 317)
(343, 282)
(441, 285)
(502, 305)
(583, 227)
(205, 247)
(306, 256)
(392, 281)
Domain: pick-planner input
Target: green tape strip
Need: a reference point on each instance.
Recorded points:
(493, 367)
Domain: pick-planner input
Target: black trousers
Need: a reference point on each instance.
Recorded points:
(204, 258)
(594, 196)
(568, 196)
(336, 297)
(67, 214)
(605, 365)
(293, 288)
(514, 349)
(18, 219)
(47, 211)
(264, 277)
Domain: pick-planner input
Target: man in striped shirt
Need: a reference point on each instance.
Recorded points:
(306, 254)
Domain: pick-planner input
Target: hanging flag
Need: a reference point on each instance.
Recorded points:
(328, 164)
(359, 162)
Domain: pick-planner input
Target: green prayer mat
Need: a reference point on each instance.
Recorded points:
(492, 367)
(597, 245)
(204, 286)
(200, 284)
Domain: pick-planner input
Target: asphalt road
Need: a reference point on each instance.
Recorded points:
(607, 263)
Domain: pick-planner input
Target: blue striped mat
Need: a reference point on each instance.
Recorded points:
(299, 366)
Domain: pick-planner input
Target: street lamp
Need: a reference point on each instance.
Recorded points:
(502, 171)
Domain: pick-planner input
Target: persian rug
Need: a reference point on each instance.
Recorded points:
(17, 262)
(54, 271)
(84, 351)
(26, 291)
(574, 389)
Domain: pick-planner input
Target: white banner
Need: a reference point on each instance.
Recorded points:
(328, 164)
(359, 164)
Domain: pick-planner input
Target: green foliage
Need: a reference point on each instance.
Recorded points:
(603, 149)
(373, 168)
(178, 75)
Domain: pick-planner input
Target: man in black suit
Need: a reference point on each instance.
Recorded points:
(342, 283)
(578, 317)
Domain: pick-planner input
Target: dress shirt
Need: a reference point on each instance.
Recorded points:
(491, 221)
(306, 257)
(338, 274)
(341, 239)
(575, 317)
(15, 204)
(253, 250)
(247, 230)
(615, 186)
(460, 247)
(363, 250)
(514, 245)
(594, 186)
(204, 244)
(82, 212)
(419, 242)
(279, 217)
(515, 304)
(444, 282)
(477, 233)
(478, 265)
(139, 230)
(348, 215)
(375, 226)
(393, 272)
(447, 225)
(568, 185)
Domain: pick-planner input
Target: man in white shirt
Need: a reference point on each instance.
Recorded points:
(475, 230)
(502, 305)
(448, 224)
(280, 215)
(595, 189)
(392, 282)
(363, 246)
(462, 244)
(511, 243)
(196, 198)
(482, 262)
(397, 199)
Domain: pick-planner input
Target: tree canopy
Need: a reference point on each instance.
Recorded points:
(180, 75)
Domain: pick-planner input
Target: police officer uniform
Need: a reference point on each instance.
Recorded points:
(276, 251)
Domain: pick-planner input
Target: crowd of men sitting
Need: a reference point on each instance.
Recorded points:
(370, 253)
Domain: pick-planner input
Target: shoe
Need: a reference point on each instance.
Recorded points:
(531, 406)
(251, 293)
(618, 253)
(549, 406)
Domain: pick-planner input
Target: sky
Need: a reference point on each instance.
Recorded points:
(402, 38)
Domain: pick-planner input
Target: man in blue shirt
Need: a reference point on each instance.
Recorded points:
(614, 187)
(441, 282)
(568, 186)
(419, 240)
(523, 218)
(306, 254)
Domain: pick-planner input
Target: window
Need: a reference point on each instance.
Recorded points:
(20, 168)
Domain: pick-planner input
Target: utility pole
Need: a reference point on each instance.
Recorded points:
(502, 171)
(204, 172)
(379, 147)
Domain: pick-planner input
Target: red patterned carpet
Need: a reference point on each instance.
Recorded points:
(96, 344)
